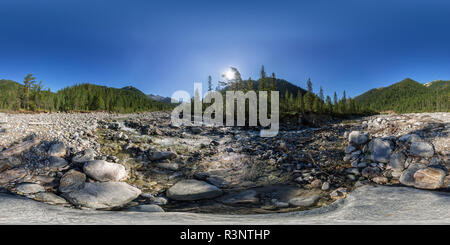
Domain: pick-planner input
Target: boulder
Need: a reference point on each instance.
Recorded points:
(82, 157)
(161, 155)
(49, 197)
(103, 195)
(168, 166)
(421, 149)
(397, 161)
(72, 181)
(189, 190)
(29, 188)
(358, 137)
(217, 181)
(380, 150)
(370, 172)
(146, 208)
(410, 138)
(380, 180)
(243, 197)
(57, 150)
(57, 163)
(105, 171)
(12, 174)
(304, 201)
(429, 178)
(407, 176)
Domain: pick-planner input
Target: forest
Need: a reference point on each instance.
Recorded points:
(30, 96)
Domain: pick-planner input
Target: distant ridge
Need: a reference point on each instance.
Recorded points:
(408, 96)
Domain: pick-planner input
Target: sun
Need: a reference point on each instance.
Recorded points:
(229, 74)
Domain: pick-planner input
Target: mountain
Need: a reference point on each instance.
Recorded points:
(159, 98)
(281, 85)
(408, 96)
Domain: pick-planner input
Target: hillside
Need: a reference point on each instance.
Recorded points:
(408, 96)
(83, 97)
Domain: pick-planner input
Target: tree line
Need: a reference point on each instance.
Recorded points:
(30, 96)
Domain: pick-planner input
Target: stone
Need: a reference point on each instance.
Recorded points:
(339, 193)
(349, 149)
(146, 208)
(168, 166)
(57, 163)
(29, 188)
(159, 200)
(103, 195)
(85, 156)
(380, 150)
(370, 172)
(57, 150)
(189, 190)
(161, 155)
(397, 161)
(380, 180)
(243, 197)
(304, 201)
(217, 181)
(421, 149)
(49, 197)
(325, 186)
(12, 174)
(317, 183)
(358, 138)
(407, 176)
(71, 181)
(410, 138)
(105, 171)
(9, 162)
(429, 178)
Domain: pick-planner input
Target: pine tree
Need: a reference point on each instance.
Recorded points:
(210, 83)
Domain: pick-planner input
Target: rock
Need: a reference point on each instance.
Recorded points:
(72, 181)
(339, 193)
(325, 186)
(29, 188)
(370, 172)
(407, 176)
(196, 130)
(105, 171)
(57, 163)
(9, 162)
(102, 195)
(86, 156)
(380, 150)
(410, 138)
(12, 174)
(279, 204)
(304, 201)
(349, 149)
(380, 180)
(358, 138)
(57, 150)
(189, 190)
(429, 178)
(317, 183)
(49, 197)
(161, 155)
(217, 181)
(243, 197)
(422, 149)
(159, 200)
(146, 208)
(397, 161)
(168, 166)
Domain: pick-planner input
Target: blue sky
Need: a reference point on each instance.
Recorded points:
(163, 46)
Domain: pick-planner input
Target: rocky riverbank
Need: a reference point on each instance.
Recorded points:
(139, 162)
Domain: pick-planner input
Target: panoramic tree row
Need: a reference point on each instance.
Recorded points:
(30, 96)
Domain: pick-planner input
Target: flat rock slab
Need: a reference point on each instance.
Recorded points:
(189, 190)
(103, 195)
(365, 205)
(105, 171)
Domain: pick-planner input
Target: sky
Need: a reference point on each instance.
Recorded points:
(163, 46)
